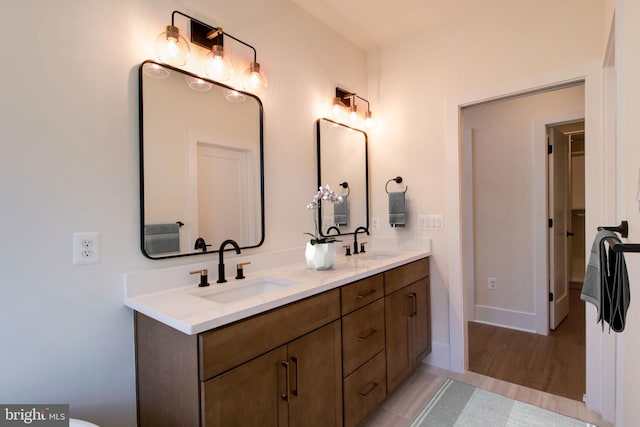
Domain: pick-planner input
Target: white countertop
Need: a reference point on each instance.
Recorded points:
(185, 309)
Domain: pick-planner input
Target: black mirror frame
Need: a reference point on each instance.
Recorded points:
(366, 169)
(141, 159)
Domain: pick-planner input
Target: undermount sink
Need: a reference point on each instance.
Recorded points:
(377, 255)
(236, 290)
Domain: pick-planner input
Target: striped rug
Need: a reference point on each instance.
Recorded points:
(459, 404)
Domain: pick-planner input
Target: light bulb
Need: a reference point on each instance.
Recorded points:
(368, 120)
(172, 48)
(253, 80)
(354, 117)
(338, 111)
(217, 66)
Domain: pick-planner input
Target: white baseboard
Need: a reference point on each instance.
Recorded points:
(511, 319)
(439, 355)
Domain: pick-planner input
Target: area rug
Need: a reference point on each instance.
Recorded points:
(459, 404)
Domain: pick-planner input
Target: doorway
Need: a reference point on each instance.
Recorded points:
(566, 212)
(505, 220)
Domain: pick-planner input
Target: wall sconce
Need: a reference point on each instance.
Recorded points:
(173, 49)
(345, 109)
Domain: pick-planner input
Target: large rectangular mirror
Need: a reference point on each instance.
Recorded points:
(201, 164)
(343, 165)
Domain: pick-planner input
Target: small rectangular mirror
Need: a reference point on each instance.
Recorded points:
(343, 165)
(201, 164)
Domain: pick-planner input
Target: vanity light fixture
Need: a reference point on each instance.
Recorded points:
(173, 49)
(345, 108)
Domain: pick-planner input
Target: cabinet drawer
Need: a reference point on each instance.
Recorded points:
(230, 346)
(364, 389)
(362, 336)
(405, 275)
(361, 293)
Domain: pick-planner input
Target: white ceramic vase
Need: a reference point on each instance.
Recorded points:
(320, 256)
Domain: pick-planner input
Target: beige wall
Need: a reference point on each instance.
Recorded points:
(69, 162)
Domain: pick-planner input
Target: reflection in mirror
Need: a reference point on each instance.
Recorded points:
(201, 168)
(343, 165)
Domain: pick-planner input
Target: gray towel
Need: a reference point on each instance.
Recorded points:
(606, 283)
(397, 214)
(341, 212)
(161, 238)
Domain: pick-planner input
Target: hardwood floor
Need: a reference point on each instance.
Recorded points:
(520, 361)
(555, 363)
(402, 405)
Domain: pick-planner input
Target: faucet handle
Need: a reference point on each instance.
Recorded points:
(204, 281)
(239, 269)
(347, 250)
(362, 247)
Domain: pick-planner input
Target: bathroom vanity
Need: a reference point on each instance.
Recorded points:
(326, 358)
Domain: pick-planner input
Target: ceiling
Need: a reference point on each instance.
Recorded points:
(369, 24)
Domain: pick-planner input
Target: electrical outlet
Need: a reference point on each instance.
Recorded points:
(375, 221)
(86, 248)
(493, 283)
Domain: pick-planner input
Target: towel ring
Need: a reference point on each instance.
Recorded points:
(345, 185)
(398, 180)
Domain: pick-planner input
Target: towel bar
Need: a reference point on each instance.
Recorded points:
(623, 229)
(615, 245)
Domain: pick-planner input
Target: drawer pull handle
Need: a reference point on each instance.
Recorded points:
(413, 304)
(372, 386)
(285, 395)
(369, 335)
(295, 390)
(366, 294)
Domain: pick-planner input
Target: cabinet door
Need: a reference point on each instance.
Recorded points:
(398, 306)
(315, 378)
(249, 395)
(419, 321)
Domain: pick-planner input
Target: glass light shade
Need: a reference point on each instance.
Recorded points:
(234, 96)
(354, 117)
(198, 85)
(338, 111)
(253, 79)
(217, 66)
(368, 120)
(172, 48)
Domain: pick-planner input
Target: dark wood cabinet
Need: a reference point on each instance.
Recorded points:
(327, 360)
(407, 320)
(249, 395)
(296, 384)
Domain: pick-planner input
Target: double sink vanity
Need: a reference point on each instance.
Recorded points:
(285, 346)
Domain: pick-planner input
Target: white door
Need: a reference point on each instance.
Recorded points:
(559, 209)
(222, 195)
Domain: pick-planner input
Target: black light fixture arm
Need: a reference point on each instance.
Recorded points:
(218, 31)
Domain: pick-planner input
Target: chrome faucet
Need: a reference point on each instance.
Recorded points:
(233, 243)
(355, 238)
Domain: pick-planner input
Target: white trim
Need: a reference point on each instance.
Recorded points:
(439, 355)
(591, 73)
(511, 319)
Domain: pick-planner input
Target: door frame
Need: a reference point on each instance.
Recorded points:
(591, 73)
